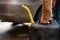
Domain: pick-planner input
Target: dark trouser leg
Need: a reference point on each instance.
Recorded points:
(57, 10)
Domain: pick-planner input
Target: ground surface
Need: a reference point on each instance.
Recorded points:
(7, 37)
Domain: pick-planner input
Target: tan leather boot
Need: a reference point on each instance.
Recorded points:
(46, 11)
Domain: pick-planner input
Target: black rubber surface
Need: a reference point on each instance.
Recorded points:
(44, 32)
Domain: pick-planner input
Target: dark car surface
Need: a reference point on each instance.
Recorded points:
(12, 10)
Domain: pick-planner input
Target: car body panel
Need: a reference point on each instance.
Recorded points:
(12, 10)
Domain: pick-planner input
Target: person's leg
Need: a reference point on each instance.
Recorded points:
(57, 10)
(46, 11)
